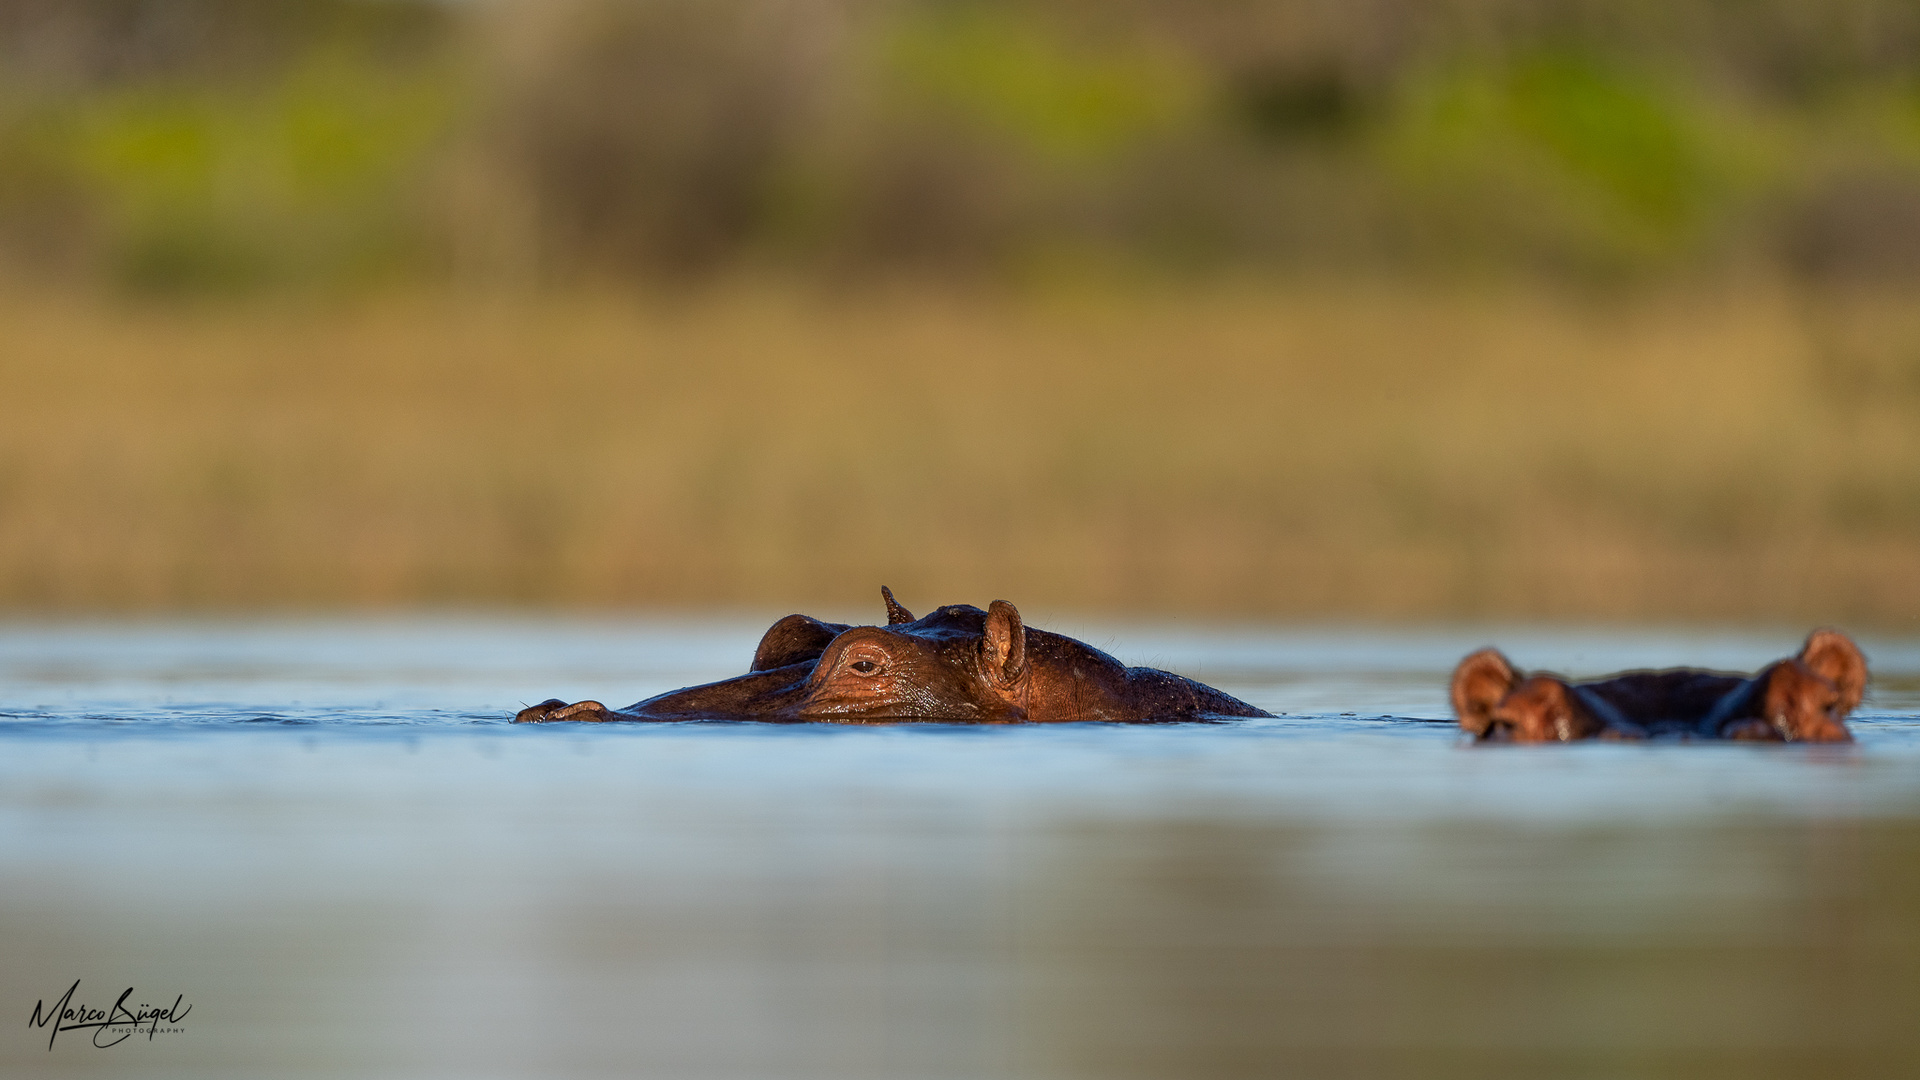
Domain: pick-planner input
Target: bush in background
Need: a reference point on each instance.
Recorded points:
(216, 144)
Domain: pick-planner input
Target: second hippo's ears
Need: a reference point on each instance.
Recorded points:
(1479, 684)
(895, 613)
(1004, 649)
(1834, 657)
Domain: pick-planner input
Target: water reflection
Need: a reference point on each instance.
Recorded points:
(350, 865)
(1739, 949)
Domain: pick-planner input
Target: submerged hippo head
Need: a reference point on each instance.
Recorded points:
(1803, 698)
(958, 664)
(1495, 702)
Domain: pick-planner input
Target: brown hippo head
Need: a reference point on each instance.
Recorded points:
(1804, 698)
(1495, 702)
(958, 664)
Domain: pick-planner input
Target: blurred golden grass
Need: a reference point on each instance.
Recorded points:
(1262, 448)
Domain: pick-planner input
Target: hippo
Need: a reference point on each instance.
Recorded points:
(1804, 698)
(957, 665)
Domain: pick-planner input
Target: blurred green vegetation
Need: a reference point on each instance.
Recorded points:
(216, 145)
(1005, 76)
(1549, 308)
(222, 147)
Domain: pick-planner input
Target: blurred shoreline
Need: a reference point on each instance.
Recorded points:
(1369, 449)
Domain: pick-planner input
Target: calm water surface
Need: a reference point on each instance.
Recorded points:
(325, 836)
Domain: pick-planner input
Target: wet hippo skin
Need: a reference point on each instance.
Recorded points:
(1804, 698)
(958, 664)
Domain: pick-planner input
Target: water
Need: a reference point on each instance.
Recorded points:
(324, 836)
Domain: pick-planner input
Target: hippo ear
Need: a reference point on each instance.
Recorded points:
(895, 613)
(795, 639)
(1005, 646)
(1479, 684)
(1834, 657)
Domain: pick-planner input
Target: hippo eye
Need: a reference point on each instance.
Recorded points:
(864, 667)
